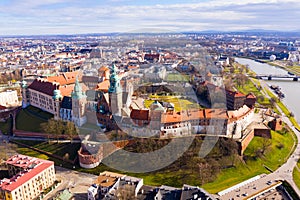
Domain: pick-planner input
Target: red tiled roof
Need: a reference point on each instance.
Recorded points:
(2, 107)
(239, 94)
(24, 162)
(65, 78)
(66, 90)
(235, 93)
(65, 83)
(42, 85)
(215, 113)
(175, 117)
(196, 114)
(172, 117)
(103, 86)
(103, 69)
(139, 114)
(251, 96)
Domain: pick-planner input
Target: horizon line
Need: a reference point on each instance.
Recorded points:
(153, 33)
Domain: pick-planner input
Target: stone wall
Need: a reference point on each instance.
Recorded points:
(244, 142)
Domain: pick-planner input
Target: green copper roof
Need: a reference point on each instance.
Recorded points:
(56, 94)
(156, 106)
(24, 84)
(114, 80)
(77, 92)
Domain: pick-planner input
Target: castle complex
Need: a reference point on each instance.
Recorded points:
(120, 109)
(162, 120)
(63, 96)
(117, 107)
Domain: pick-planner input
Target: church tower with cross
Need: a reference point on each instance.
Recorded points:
(79, 101)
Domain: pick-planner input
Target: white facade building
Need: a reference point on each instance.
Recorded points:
(9, 98)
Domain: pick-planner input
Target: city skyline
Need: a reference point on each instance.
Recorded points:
(29, 17)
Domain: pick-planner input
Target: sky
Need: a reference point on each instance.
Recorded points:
(39, 17)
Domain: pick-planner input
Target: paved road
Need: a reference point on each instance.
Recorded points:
(286, 170)
(77, 182)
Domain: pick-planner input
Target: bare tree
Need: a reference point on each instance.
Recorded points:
(204, 172)
(53, 127)
(265, 145)
(70, 130)
(241, 79)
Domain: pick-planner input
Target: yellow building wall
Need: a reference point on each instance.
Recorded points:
(8, 195)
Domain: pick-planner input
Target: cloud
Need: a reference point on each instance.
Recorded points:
(66, 16)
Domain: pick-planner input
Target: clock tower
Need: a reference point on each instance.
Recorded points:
(79, 101)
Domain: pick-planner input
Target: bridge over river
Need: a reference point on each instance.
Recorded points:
(270, 77)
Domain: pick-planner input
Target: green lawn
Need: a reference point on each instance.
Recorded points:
(250, 87)
(157, 178)
(27, 121)
(39, 113)
(177, 78)
(273, 158)
(59, 149)
(179, 104)
(243, 171)
(282, 64)
(26, 151)
(29, 152)
(296, 174)
(294, 69)
(5, 126)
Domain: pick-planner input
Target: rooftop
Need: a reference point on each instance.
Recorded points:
(65, 78)
(106, 181)
(32, 167)
(234, 93)
(236, 114)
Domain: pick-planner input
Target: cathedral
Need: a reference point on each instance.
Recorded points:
(112, 104)
(63, 96)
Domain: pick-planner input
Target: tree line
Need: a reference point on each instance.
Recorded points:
(59, 127)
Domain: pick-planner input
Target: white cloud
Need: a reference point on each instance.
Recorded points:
(217, 15)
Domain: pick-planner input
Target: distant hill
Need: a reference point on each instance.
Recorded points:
(259, 32)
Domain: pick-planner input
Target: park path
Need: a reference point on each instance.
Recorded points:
(76, 182)
(285, 172)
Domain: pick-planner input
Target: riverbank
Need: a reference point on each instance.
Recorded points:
(291, 69)
(290, 102)
(280, 64)
(284, 109)
(250, 165)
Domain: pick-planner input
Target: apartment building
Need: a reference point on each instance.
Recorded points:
(29, 177)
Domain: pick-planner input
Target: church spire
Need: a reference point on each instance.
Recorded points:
(114, 80)
(77, 92)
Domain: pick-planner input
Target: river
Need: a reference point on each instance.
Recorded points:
(291, 89)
